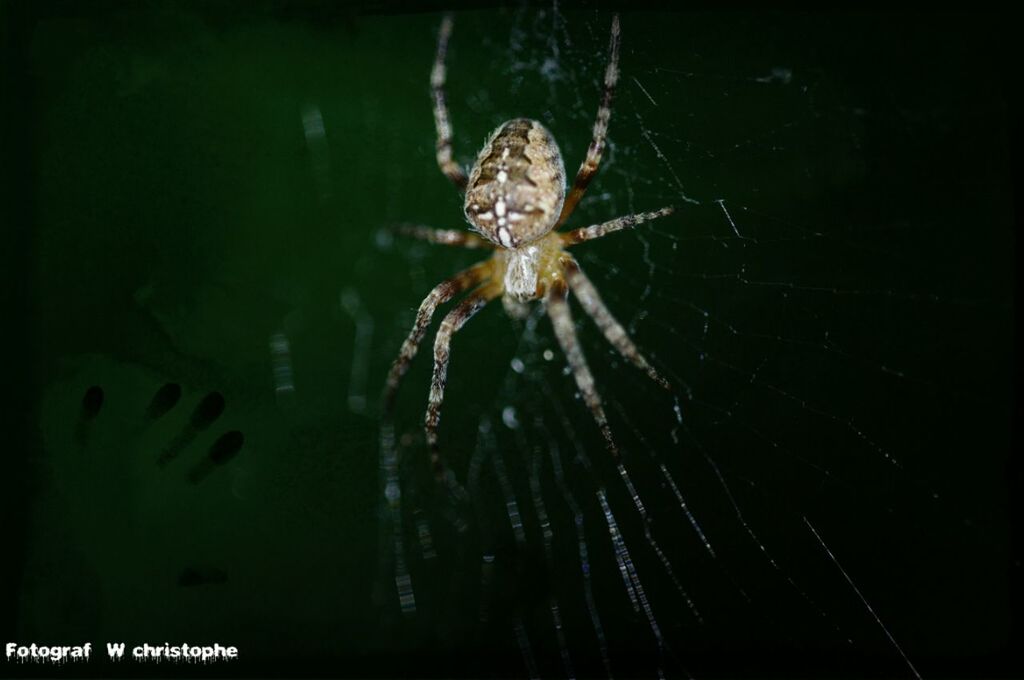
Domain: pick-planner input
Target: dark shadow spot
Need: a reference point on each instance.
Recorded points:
(163, 401)
(92, 402)
(205, 413)
(201, 576)
(209, 410)
(225, 448)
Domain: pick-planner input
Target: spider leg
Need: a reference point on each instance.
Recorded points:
(625, 222)
(446, 237)
(441, 293)
(449, 167)
(604, 112)
(557, 304)
(392, 493)
(455, 320)
(613, 331)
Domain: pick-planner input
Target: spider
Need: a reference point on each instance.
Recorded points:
(515, 200)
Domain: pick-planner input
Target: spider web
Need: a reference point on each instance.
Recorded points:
(822, 489)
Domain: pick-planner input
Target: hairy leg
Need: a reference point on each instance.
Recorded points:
(446, 237)
(613, 331)
(444, 129)
(455, 320)
(619, 223)
(388, 454)
(557, 305)
(604, 112)
(442, 293)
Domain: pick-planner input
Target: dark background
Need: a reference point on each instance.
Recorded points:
(843, 357)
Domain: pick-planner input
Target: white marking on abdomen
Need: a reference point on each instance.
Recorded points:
(504, 237)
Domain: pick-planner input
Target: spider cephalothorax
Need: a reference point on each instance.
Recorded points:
(515, 200)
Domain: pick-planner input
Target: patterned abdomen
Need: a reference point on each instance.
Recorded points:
(517, 186)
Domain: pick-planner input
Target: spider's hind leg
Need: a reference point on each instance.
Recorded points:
(557, 306)
(441, 293)
(392, 557)
(455, 320)
(613, 331)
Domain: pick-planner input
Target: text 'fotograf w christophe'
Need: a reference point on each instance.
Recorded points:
(120, 650)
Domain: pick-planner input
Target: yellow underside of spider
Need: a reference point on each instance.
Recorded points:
(528, 272)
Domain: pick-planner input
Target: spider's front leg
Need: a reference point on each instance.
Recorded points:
(455, 320)
(600, 132)
(449, 167)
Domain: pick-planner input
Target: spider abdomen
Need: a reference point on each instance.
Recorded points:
(517, 185)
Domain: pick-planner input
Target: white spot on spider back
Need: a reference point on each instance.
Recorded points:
(504, 153)
(502, 176)
(504, 237)
(487, 216)
(499, 207)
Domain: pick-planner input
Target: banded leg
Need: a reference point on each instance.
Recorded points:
(446, 237)
(613, 331)
(590, 233)
(449, 167)
(561, 320)
(455, 320)
(442, 293)
(604, 112)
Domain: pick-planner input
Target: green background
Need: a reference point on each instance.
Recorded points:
(177, 217)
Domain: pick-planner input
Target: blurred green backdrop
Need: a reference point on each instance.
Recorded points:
(832, 300)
